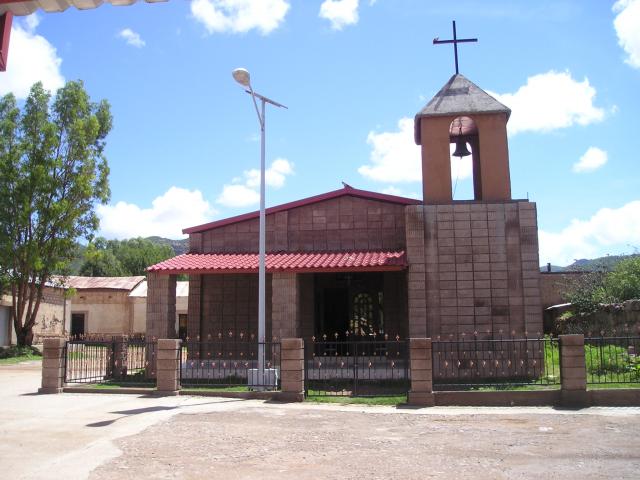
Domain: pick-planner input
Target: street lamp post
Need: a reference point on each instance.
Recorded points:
(242, 76)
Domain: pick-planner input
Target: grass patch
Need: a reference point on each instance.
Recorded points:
(611, 363)
(605, 386)
(210, 388)
(19, 359)
(112, 385)
(345, 400)
(15, 354)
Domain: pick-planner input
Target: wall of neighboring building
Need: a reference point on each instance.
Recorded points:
(552, 285)
(106, 311)
(344, 223)
(139, 312)
(52, 319)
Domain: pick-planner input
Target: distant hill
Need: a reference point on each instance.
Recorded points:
(589, 265)
(179, 246)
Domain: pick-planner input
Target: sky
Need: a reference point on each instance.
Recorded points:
(185, 146)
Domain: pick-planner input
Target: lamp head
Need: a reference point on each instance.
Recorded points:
(241, 75)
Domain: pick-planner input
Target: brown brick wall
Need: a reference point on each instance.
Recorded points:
(479, 262)
(345, 223)
(229, 303)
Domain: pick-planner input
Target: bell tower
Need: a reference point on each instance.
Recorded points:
(473, 264)
(463, 113)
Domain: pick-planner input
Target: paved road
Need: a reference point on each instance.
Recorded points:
(124, 436)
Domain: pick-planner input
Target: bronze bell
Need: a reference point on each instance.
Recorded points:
(461, 148)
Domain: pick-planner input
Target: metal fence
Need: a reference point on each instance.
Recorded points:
(612, 360)
(230, 363)
(359, 367)
(111, 360)
(472, 362)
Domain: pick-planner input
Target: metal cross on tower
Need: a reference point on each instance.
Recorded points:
(455, 42)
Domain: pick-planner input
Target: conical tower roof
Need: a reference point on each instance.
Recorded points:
(459, 96)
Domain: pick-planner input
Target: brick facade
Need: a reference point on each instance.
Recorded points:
(473, 267)
(344, 223)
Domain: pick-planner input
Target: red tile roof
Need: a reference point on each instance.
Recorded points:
(346, 191)
(304, 262)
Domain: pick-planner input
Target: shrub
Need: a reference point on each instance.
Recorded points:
(16, 351)
(623, 283)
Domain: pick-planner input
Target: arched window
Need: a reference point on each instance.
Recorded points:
(463, 138)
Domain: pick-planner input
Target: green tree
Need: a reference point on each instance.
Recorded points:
(623, 283)
(108, 258)
(52, 174)
(100, 262)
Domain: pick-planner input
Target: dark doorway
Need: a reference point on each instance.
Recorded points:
(182, 326)
(77, 324)
(336, 310)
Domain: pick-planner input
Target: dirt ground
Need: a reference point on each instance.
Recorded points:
(311, 443)
(101, 436)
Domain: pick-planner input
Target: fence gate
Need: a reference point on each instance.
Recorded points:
(360, 367)
(115, 360)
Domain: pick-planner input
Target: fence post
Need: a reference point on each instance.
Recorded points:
(421, 364)
(168, 366)
(120, 356)
(292, 369)
(53, 365)
(573, 371)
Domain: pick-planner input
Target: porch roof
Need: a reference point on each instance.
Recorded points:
(303, 262)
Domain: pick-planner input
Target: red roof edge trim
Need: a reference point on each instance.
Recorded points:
(309, 262)
(346, 191)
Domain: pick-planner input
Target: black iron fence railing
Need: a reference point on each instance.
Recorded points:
(360, 367)
(88, 361)
(111, 360)
(233, 364)
(470, 363)
(611, 360)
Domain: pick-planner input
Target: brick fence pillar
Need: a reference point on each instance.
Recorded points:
(292, 369)
(168, 366)
(573, 371)
(421, 393)
(53, 362)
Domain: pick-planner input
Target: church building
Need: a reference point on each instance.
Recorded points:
(353, 263)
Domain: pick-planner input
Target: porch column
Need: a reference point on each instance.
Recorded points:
(285, 306)
(161, 306)
(416, 277)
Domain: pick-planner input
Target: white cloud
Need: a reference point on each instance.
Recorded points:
(340, 12)
(274, 176)
(627, 25)
(550, 101)
(593, 159)
(243, 191)
(396, 158)
(610, 230)
(393, 190)
(238, 196)
(240, 16)
(31, 59)
(132, 38)
(176, 209)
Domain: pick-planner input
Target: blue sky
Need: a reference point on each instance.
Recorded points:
(185, 147)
